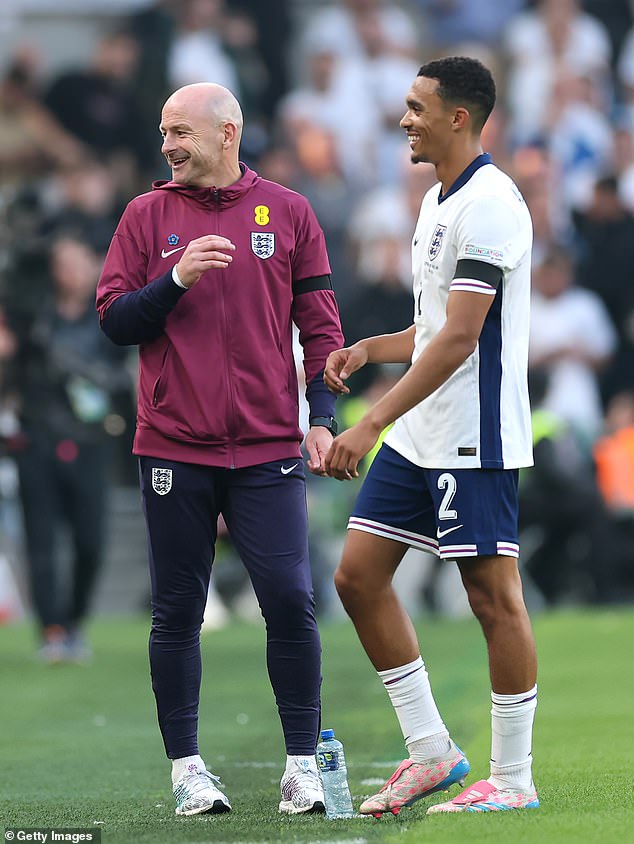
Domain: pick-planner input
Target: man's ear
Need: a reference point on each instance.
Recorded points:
(461, 117)
(230, 132)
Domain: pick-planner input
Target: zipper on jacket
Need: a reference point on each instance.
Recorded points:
(231, 427)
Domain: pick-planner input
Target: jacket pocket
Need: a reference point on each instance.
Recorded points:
(160, 385)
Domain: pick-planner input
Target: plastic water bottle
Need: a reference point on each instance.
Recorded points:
(334, 776)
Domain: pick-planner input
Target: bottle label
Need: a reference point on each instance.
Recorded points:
(328, 760)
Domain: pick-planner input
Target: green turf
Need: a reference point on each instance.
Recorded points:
(79, 745)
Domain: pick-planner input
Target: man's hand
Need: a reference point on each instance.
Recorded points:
(341, 364)
(349, 448)
(204, 253)
(318, 441)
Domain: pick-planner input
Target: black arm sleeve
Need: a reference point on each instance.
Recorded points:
(139, 316)
(479, 270)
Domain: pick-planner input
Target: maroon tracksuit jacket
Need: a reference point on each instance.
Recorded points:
(217, 380)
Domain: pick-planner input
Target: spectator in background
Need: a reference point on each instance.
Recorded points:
(98, 104)
(321, 179)
(450, 23)
(614, 456)
(389, 211)
(273, 23)
(214, 42)
(623, 163)
(572, 338)
(82, 199)
(574, 555)
(555, 38)
(617, 16)
(240, 45)
(66, 375)
(8, 347)
(536, 177)
(153, 27)
(386, 73)
(381, 304)
(197, 52)
(580, 138)
(31, 139)
(338, 26)
(605, 241)
(327, 101)
(625, 72)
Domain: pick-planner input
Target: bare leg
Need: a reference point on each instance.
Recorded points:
(494, 588)
(364, 584)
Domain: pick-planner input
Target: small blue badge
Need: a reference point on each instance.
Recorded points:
(173, 239)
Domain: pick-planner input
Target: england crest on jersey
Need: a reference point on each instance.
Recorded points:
(161, 481)
(436, 241)
(263, 244)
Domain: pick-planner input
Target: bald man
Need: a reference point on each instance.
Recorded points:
(207, 274)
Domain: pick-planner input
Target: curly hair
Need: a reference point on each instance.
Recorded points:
(463, 81)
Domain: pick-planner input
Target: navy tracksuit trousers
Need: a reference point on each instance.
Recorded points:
(265, 511)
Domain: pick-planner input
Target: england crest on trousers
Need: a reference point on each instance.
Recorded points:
(263, 244)
(436, 241)
(161, 481)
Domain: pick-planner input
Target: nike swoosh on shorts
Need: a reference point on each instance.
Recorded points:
(441, 533)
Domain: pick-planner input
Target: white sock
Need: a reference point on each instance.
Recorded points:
(308, 763)
(423, 729)
(511, 739)
(184, 764)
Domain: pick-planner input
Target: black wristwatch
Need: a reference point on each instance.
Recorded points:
(328, 422)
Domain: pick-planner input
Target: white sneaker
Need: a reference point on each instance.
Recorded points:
(196, 793)
(302, 790)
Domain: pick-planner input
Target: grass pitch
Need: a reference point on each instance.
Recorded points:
(79, 746)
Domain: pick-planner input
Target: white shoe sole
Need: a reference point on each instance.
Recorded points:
(289, 808)
(216, 808)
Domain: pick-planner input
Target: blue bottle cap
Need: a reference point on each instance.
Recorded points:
(326, 734)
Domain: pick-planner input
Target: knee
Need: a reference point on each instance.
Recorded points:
(482, 607)
(495, 606)
(290, 607)
(350, 587)
(180, 618)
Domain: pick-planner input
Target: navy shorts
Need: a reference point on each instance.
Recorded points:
(450, 512)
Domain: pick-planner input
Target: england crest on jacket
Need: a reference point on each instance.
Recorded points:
(161, 481)
(263, 244)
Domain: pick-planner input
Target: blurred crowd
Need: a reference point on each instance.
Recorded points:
(322, 85)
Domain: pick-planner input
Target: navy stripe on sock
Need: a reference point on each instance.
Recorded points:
(402, 677)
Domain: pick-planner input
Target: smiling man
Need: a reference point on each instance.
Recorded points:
(207, 273)
(445, 479)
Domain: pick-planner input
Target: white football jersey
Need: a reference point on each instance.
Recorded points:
(476, 238)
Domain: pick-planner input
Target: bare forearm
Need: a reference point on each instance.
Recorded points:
(390, 348)
(436, 364)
